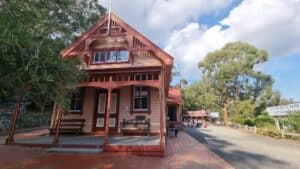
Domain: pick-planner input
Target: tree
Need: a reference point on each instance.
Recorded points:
(32, 33)
(284, 101)
(230, 72)
(268, 98)
(199, 96)
(182, 83)
(242, 111)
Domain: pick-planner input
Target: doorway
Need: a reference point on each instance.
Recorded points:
(172, 113)
(100, 111)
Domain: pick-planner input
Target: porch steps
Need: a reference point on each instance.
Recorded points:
(74, 150)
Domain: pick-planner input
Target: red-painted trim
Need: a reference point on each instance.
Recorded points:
(125, 70)
(145, 150)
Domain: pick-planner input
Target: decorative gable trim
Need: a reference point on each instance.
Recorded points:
(137, 41)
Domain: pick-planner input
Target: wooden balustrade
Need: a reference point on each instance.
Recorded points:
(153, 76)
(115, 80)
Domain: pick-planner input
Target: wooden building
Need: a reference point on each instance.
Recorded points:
(174, 103)
(124, 94)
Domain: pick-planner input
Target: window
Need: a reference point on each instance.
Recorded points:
(111, 56)
(140, 98)
(76, 101)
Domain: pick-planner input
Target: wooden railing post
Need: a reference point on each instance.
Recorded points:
(162, 107)
(12, 128)
(107, 117)
(57, 125)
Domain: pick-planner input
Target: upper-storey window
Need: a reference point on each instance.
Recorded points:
(115, 56)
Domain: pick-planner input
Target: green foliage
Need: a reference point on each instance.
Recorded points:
(284, 101)
(265, 121)
(268, 98)
(32, 33)
(270, 131)
(242, 112)
(292, 121)
(198, 96)
(230, 73)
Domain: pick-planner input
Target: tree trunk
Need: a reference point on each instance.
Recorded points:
(225, 112)
(13, 123)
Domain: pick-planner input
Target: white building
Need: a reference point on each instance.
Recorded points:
(283, 110)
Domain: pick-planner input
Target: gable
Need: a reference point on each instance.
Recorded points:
(121, 35)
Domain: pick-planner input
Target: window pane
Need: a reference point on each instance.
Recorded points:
(96, 57)
(144, 103)
(136, 103)
(110, 56)
(76, 100)
(102, 56)
(140, 99)
(137, 91)
(122, 56)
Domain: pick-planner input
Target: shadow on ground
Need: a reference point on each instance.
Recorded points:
(238, 158)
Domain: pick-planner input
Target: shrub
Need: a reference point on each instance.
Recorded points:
(269, 131)
(264, 120)
(242, 112)
(249, 122)
(292, 122)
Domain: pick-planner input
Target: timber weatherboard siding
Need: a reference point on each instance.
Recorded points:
(125, 101)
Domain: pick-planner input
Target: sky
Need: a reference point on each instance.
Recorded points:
(189, 29)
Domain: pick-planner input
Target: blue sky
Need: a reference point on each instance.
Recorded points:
(189, 29)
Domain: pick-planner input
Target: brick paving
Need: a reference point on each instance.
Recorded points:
(183, 152)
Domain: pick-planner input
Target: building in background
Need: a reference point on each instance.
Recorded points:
(283, 110)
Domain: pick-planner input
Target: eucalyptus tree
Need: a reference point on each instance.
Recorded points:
(231, 74)
(32, 33)
(199, 96)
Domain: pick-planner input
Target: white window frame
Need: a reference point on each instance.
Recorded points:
(133, 99)
(106, 53)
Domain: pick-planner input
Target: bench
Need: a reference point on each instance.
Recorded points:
(70, 126)
(138, 126)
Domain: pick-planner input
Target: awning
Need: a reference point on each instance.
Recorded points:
(198, 113)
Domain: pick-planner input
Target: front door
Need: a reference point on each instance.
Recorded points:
(100, 113)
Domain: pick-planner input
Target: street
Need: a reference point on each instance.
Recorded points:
(246, 150)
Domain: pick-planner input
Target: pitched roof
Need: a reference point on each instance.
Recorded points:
(174, 96)
(161, 54)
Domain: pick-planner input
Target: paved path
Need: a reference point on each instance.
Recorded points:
(183, 152)
(248, 151)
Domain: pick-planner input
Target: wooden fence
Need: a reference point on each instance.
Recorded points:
(253, 129)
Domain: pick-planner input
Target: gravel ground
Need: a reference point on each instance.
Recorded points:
(245, 150)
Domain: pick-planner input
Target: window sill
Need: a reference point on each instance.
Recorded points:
(140, 112)
(105, 63)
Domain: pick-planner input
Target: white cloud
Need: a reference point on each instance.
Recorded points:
(271, 25)
(157, 18)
